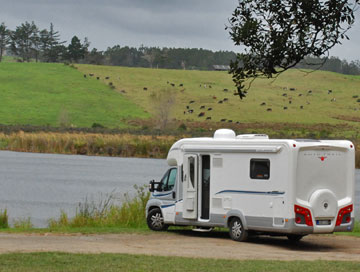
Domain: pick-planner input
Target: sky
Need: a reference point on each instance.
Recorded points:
(162, 23)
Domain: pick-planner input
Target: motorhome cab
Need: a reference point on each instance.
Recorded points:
(253, 184)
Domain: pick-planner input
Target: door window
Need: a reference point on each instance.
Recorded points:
(169, 180)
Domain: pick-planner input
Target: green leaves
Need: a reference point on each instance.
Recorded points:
(279, 34)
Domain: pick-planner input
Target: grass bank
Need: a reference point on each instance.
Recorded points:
(50, 261)
(123, 145)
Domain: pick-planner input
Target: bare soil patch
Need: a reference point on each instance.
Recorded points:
(189, 244)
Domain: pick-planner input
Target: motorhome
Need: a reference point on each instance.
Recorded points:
(251, 184)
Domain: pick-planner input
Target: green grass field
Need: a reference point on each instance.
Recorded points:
(51, 261)
(317, 106)
(53, 94)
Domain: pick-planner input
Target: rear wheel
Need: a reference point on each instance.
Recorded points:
(155, 220)
(237, 231)
(295, 237)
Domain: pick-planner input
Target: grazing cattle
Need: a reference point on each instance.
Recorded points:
(210, 86)
(329, 91)
(269, 109)
(333, 100)
(123, 91)
(229, 121)
(301, 107)
(181, 85)
(237, 122)
(202, 107)
(172, 84)
(208, 118)
(220, 102)
(300, 94)
(292, 89)
(107, 77)
(222, 120)
(285, 108)
(91, 74)
(307, 102)
(209, 109)
(214, 97)
(187, 107)
(226, 99)
(145, 88)
(284, 94)
(290, 101)
(355, 96)
(201, 114)
(110, 83)
(192, 101)
(97, 78)
(309, 91)
(226, 90)
(263, 104)
(84, 76)
(184, 112)
(190, 111)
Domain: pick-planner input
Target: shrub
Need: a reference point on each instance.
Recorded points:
(105, 212)
(4, 219)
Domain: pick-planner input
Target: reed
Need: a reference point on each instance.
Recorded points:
(105, 213)
(122, 145)
(4, 219)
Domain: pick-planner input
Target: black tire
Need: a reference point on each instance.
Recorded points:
(155, 220)
(237, 231)
(295, 237)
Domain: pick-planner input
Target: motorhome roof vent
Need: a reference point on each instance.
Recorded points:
(252, 136)
(224, 134)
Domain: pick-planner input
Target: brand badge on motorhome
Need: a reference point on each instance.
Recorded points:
(322, 158)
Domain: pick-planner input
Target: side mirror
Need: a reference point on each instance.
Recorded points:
(152, 185)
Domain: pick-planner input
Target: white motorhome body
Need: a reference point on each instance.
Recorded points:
(253, 183)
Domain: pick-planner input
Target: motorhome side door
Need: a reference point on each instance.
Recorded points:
(190, 186)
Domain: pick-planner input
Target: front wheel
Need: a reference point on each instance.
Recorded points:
(237, 231)
(155, 220)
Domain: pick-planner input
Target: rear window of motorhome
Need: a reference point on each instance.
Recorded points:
(259, 168)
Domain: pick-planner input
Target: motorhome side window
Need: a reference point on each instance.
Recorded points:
(259, 168)
(192, 170)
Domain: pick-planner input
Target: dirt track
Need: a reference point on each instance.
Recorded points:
(189, 244)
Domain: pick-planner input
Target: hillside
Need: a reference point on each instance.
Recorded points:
(56, 94)
(295, 97)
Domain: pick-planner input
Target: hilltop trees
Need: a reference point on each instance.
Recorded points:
(4, 39)
(277, 35)
(25, 40)
(76, 50)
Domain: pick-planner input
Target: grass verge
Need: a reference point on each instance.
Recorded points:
(50, 261)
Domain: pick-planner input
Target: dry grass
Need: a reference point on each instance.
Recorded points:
(123, 145)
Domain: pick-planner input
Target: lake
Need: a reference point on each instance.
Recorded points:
(39, 186)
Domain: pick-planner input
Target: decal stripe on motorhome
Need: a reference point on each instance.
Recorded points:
(166, 206)
(169, 205)
(251, 192)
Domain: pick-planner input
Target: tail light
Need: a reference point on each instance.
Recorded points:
(302, 214)
(344, 213)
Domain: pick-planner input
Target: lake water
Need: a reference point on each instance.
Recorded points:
(39, 186)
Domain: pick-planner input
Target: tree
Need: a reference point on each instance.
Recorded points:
(278, 34)
(24, 41)
(50, 44)
(4, 39)
(76, 50)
